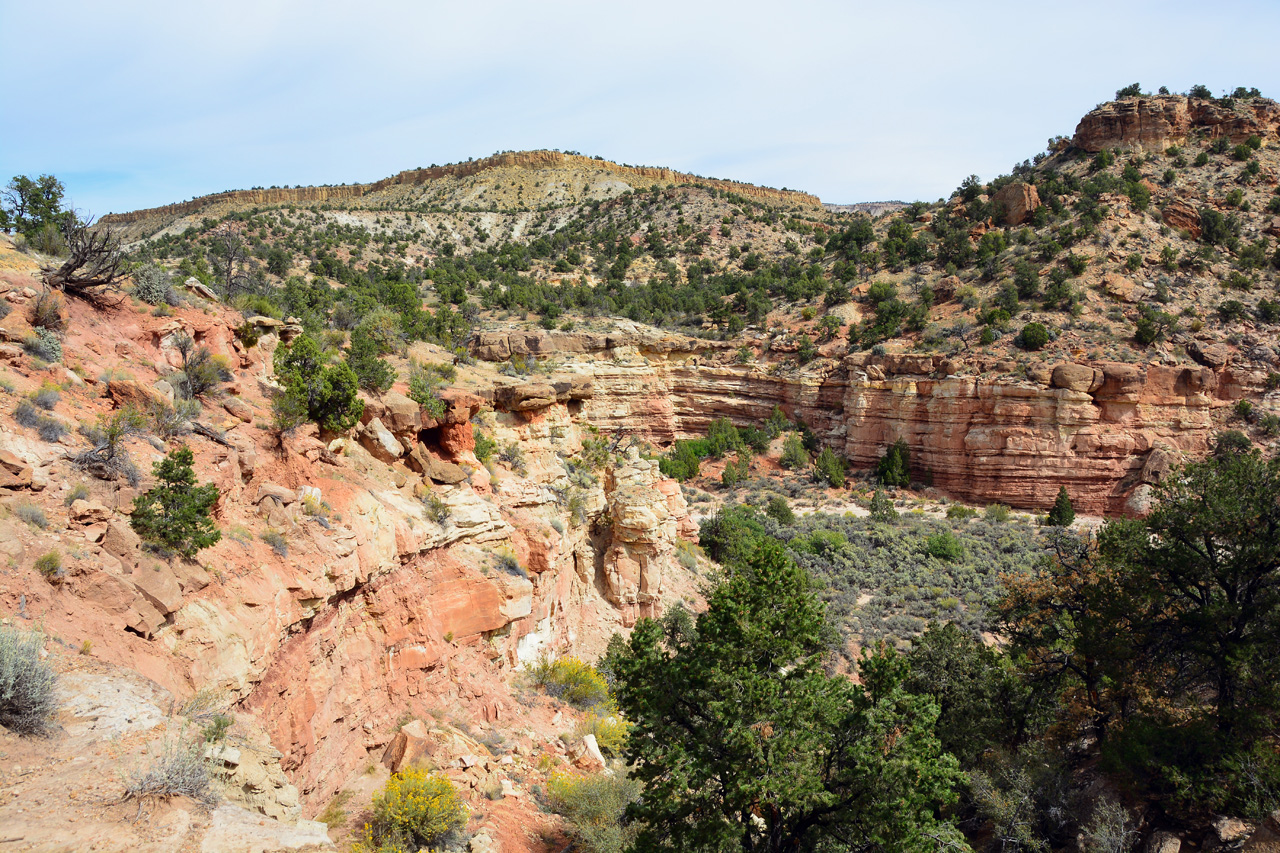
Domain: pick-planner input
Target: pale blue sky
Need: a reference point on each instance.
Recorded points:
(135, 104)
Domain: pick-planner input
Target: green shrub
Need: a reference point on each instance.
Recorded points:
(945, 546)
(960, 512)
(176, 513)
(78, 492)
(50, 565)
(570, 679)
(326, 393)
(424, 382)
(414, 809)
(594, 807)
(485, 446)
(27, 701)
(373, 373)
(894, 468)
(1033, 336)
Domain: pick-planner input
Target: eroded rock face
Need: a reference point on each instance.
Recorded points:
(643, 531)
(1158, 122)
(979, 438)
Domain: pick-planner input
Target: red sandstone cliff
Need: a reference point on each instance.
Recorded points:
(1156, 122)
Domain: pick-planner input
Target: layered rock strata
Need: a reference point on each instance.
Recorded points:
(1155, 123)
(976, 432)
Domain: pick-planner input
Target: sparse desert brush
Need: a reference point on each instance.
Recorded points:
(176, 767)
(594, 808)
(279, 544)
(27, 702)
(50, 565)
(570, 679)
(415, 809)
(31, 514)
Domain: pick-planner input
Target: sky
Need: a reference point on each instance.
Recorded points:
(138, 104)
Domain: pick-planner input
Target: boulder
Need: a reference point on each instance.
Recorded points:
(1018, 201)
(14, 327)
(121, 542)
(380, 442)
(402, 416)
(1164, 842)
(459, 406)
(14, 473)
(1076, 377)
(527, 396)
(1210, 355)
(84, 512)
(282, 494)
(1232, 830)
(238, 408)
(128, 392)
(412, 743)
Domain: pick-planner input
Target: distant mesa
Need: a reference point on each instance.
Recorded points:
(870, 208)
(514, 159)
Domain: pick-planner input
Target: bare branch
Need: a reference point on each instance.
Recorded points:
(95, 266)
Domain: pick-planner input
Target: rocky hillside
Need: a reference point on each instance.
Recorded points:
(379, 591)
(362, 580)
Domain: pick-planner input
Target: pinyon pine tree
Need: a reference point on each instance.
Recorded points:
(744, 742)
(175, 514)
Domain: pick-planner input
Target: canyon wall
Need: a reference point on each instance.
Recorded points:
(1107, 431)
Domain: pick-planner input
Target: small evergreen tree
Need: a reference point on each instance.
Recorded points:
(780, 510)
(882, 508)
(793, 453)
(373, 373)
(175, 514)
(326, 391)
(894, 468)
(1062, 513)
(830, 468)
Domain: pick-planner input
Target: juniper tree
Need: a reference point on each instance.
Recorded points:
(175, 514)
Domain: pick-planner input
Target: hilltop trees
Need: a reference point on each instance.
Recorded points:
(743, 741)
(27, 205)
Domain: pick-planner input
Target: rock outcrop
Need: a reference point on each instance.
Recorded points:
(979, 437)
(1018, 200)
(1156, 122)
